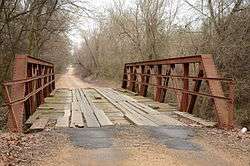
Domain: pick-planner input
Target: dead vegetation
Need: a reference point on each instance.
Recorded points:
(37, 28)
(126, 32)
(153, 29)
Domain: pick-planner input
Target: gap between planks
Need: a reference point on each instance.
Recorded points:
(100, 115)
(137, 113)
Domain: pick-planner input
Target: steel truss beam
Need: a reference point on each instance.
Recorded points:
(33, 80)
(159, 74)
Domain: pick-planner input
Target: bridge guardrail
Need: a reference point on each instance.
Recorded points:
(33, 80)
(159, 74)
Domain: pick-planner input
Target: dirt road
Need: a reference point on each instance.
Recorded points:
(140, 146)
(70, 80)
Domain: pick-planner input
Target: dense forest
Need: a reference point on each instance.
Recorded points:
(125, 32)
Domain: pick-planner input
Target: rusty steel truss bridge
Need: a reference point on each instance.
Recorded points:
(185, 77)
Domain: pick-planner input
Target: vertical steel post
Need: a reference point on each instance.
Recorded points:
(207, 71)
(184, 99)
(34, 84)
(28, 89)
(49, 79)
(147, 81)
(53, 78)
(45, 90)
(158, 83)
(130, 75)
(20, 93)
(125, 78)
(142, 87)
(17, 92)
(11, 113)
(41, 85)
(196, 88)
(165, 83)
(134, 76)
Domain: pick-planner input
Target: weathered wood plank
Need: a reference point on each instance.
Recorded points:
(112, 101)
(127, 98)
(53, 93)
(144, 108)
(100, 101)
(42, 112)
(63, 94)
(76, 118)
(111, 95)
(144, 100)
(116, 114)
(64, 120)
(97, 97)
(51, 116)
(45, 110)
(129, 114)
(100, 115)
(55, 105)
(139, 113)
(162, 119)
(196, 119)
(74, 97)
(88, 113)
(158, 119)
(154, 106)
(57, 100)
(102, 118)
(77, 95)
(135, 116)
(133, 119)
(142, 116)
(114, 95)
(39, 124)
(32, 118)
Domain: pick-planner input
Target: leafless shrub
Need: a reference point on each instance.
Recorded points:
(149, 30)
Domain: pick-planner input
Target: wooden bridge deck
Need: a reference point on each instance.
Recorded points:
(102, 107)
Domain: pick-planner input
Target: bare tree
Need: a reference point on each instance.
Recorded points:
(27, 25)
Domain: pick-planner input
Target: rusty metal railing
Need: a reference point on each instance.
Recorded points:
(175, 74)
(33, 80)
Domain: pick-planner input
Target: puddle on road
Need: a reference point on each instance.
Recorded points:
(90, 138)
(174, 137)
